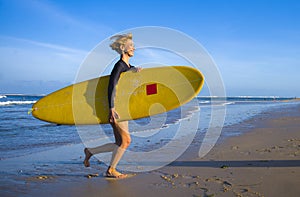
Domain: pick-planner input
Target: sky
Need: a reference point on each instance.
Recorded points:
(254, 43)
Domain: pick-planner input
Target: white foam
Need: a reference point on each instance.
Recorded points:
(16, 103)
(204, 102)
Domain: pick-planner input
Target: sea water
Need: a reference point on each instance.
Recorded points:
(22, 134)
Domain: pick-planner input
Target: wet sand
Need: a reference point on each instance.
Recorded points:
(263, 161)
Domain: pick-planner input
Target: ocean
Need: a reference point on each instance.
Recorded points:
(21, 134)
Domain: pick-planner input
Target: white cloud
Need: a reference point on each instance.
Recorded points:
(23, 59)
(20, 42)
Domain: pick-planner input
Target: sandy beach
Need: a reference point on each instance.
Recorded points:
(263, 161)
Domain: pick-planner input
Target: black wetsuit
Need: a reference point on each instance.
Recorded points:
(119, 67)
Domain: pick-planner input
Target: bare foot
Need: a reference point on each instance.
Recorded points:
(113, 173)
(88, 155)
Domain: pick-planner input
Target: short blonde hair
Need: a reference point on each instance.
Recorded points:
(119, 40)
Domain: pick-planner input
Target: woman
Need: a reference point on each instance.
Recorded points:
(123, 44)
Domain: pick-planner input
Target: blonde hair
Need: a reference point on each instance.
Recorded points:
(119, 40)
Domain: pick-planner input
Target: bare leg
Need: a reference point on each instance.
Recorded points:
(89, 152)
(123, 141)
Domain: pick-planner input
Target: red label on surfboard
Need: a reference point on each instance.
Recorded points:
(151, 89)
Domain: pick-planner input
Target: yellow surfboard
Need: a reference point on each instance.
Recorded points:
(139, 94)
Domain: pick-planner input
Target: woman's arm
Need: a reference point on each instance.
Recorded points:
(113, 80)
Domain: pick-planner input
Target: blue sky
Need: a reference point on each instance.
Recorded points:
(255, 44)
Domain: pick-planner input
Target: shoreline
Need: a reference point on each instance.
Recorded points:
(263, 161)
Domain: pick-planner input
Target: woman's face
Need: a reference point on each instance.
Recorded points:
(129, 48)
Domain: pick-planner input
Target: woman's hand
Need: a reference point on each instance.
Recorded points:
(138, 69)
(113, 115)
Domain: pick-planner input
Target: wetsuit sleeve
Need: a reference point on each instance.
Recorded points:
(133, 68)
(113, 80)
